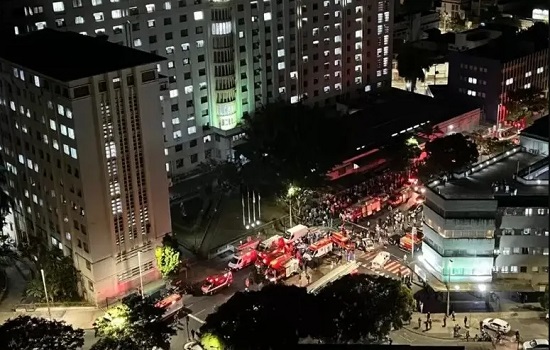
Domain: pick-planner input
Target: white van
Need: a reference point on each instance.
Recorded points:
(296, 232)
(380, 260)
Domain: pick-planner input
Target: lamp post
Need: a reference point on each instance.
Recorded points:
(46, 293)
(242, 205)
(291, 191)
(259, 207)
(449, 268)
(140, 273)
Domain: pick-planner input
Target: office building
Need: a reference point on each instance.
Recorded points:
(83, 148)
(225, 58)
(489, 224)
(505, 64)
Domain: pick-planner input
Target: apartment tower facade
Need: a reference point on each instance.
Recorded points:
(226, 58)
(83, 148)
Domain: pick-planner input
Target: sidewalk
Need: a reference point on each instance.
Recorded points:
(439, 332)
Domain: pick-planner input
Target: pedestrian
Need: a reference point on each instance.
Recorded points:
(193, 334)
(430, 323)
(480, 325)
(308, 277)
(465, 321)
(467, 335)
(428, 316)
(453, 316)
(427, 325)
(444, 321)
(517, 337)
(390, 340)
(419, 322)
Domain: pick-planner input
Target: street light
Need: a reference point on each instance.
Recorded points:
(140, 272)
(449, 265)
(290, 193)
(482, 288)
(46, 293)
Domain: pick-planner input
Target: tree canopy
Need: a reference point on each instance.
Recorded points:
(523, 103)
(401, 151)
(448, 154)
(291, 143)
(136, 323)
(168, 260)
(35, 333)
(411, 63)
(354, 308)
(61, 277)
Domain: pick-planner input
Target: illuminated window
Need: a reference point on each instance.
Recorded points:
(53, 125)
(188, 89)
(540, 70)
(58, 6)
(472, 80)
(79, 20)
(267, 16)
(281, 65)
(137, 42)
(150, 8)
(528, 74)
(191, 130)
(116, 14)
(175, 121)
(200, 43)
(173, 93)
(98, 16)
(198, 15)
(280, 52)
(527, 86)
(509, 81)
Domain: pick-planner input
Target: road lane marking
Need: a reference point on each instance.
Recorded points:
(200, 312)
(196, 318)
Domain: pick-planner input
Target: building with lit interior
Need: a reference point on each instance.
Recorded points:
(490, 223)
(225, 58)
(83, 149)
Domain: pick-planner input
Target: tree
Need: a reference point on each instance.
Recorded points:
(544, 302)
(5, 199)
(136, 321)
(276, 316)
(524, 103)
(411, 63)
(34, 333)
(357, 308)
(448, 154)
(8, 252)
(291, 143)
(401, 151)
(115, 344)
(61, 277)
(168, 260)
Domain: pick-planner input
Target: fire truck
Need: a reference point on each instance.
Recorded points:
(214, 283)
(284, 270)
(406, 242)
(341, 240)
(319, 249)
(171, 304)
(372, 206)
(245, 256)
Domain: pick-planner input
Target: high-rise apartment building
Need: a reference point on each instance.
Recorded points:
(82, 141)
(225, 58)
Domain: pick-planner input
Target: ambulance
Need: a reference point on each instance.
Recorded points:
(380, 260)
(246, 255)
(214, 283)
(319, 249)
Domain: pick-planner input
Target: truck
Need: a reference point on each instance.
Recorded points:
(341, 240)
(216, 282)
(265, 259)
(319, 249)
(406, 242)
(372, 205)
(289, 268)
(296, 232)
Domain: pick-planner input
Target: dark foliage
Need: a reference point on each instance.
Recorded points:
(351, 309)
(449, 154)
(34, 333)
(411, 62)
(291, 143)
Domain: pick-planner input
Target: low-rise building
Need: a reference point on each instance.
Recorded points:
(489, 223)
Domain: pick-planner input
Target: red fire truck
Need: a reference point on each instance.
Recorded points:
(283, 270)
(245, 256)
(372, 206)
(406, 242)
(341, 240)
(171, 304)
(213, 283)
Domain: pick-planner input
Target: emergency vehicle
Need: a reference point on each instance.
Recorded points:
(268, 249)
(406, 242)
(341, 240)
(319, 249)
(289, 268)
(279, 261)
(245, 256)
(380, 260)
(213, 283)
(372, 205)
(171, 304)
(264, 261)
(268, 244)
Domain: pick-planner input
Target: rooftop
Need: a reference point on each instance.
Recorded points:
(380, 115)
(479, 185)
(539, 129)
(67, 56)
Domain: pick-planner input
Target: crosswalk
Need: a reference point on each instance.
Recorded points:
(391, 269)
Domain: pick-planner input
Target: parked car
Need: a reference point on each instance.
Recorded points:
(496, 324)
(536, 344)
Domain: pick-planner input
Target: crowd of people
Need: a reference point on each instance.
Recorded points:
(324, 209)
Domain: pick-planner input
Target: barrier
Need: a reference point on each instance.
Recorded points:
(333, 276)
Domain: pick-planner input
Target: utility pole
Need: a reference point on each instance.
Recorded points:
(46, 293)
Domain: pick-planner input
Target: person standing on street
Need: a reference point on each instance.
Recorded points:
(465, 321)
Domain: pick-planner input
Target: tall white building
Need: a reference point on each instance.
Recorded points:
(225, 58)
(83, 147)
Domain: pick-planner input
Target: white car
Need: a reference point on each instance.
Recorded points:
(369, 245)
(496, 324)
(536, 344)
(380, 260)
